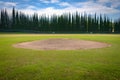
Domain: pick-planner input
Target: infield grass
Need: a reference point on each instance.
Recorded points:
(27, 64)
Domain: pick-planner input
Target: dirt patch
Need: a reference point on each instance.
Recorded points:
(61, 44)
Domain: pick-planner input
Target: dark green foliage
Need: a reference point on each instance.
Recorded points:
(67, 22)
(13, 18)
(4, 20)
(117, 26)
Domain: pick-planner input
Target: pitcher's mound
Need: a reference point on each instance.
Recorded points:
(61, 44)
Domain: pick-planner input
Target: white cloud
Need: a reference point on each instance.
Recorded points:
(49, 11)
(107, 1)
(103, 1)
(45, 1)
(26, 0)
(27, 11)
(64, 4)
(7, 4)
(31, 7)
(54, 1)
(113, 3)
(49, 1)
(46, 11)
(89, 7)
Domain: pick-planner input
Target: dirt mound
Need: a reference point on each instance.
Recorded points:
(61, 44)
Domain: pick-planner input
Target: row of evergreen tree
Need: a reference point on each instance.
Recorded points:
(67, 22)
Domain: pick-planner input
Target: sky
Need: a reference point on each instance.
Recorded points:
(111, 8)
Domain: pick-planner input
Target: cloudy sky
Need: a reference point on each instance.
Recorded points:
(109, 7)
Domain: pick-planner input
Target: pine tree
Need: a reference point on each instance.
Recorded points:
(67, 22)
(13, 18)
(117, 26)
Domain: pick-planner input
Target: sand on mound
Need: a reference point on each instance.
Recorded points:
(61, 44)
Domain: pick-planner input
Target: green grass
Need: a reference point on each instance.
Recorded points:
(92, 64)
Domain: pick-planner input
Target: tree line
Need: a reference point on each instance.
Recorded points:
(67, 22)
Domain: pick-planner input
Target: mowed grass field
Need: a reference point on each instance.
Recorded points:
(27, 64)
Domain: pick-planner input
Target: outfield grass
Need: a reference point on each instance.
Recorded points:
(26, 64)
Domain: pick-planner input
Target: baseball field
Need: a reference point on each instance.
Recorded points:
(20, 63)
